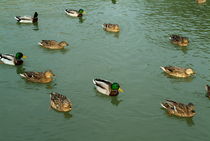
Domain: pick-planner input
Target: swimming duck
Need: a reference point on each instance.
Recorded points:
(208, 90)
(52, 44)
(11, 59)
(200, 1)
(111, 27)
(179, 109)
(179, 40)
(177, 71)
(27, 19)
(75, 13)
(60, 102)
(106, 87)
(38, 77)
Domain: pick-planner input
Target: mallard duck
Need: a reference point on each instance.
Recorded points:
(179, 40)
(111, 27)
(200, 1)
(177, 71)
(75, 13)
(106, 87)
(38, 77)
(52, 44)
(11, 59)
(27, 19)
(60, 102)
(179, 109)
(208, 90)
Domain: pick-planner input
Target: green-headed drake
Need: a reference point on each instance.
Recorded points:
(52, 44)
(60, 102)
(106, 87)
(38, 77)
(178, 71)
(11, 59)
(75, 13)
(179, 109)
(111, 27)
(27, 19)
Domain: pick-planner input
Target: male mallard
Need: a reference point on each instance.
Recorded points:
(177, 71)
(111, 27)
(200, 1)
(106, 87)
(75, 13)
(52, 44)
(179, 109)
(179, 40)
(208, 90)
(11, 59)
(38, 77)
(60, 102)
(27, 19)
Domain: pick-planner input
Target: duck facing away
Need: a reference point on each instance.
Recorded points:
(106, 87)
(179, 40)
(27, 19)
(208, 90)
(179, 109)
(111, 27)
(200, 1)
(75, 13)
(38, 77)
(11, 59)
(60, 102)
(178, 71)
(52, 44)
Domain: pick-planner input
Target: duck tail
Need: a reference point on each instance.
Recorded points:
(94, 82)
(162, 68)
(17, 18)
(39, 43)
(162, 105)
(22, 75)
(207, 87)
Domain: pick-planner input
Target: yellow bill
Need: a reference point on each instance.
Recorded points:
(84, 12)
(24, 56)
(120, 90)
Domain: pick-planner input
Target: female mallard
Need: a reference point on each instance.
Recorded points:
(27, 19)
(38, 77)
(200, 1)
(111, 27)
(208, 90)
(179, 109)
(11, 59)
(60, 102)
(52, 44)
(178, 40)
(75, 13)
(106, 87)
(177, 71)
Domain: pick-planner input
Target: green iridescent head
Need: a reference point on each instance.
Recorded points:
(19, 55)
(115, 86)
(81, 11)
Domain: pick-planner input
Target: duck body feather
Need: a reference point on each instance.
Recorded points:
(52, 44)
(27, 19)
(73, 13)
(111, 27)
(10, 59)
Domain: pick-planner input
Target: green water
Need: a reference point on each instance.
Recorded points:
(132, 58)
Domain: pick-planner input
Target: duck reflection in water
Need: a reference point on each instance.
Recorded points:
(115, 101)
(114, 1)
(81, 20)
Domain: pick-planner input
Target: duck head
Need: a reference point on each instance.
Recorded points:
(116, 87)
(189, 71)
(49, 74)
(19, 55)
(63, 43)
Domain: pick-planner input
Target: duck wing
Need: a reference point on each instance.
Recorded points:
(103, 86)
(7, 59)
(48, 42)
(33, 75)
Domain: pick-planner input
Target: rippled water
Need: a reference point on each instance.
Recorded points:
(132, 58)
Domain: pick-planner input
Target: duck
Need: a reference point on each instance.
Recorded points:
(27, 19)
(106, 87)
(60, 102)
(179, 40)
(11, 59)
(111, 27)
(200, 1)
(179, 109)
(38, 77)
(75, 13)
(207, 87)
(52, 44)
(178, 71)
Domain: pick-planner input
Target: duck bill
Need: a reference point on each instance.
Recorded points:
(84, 12)
(24, 57)
(120, 90)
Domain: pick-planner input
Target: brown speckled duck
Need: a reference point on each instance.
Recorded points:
(60, 102)
(38, 77)
(179, 40)
(178, 71)
(200, 1)
(179, 109)
(52, 44)
(111, 27)
(208, 90)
